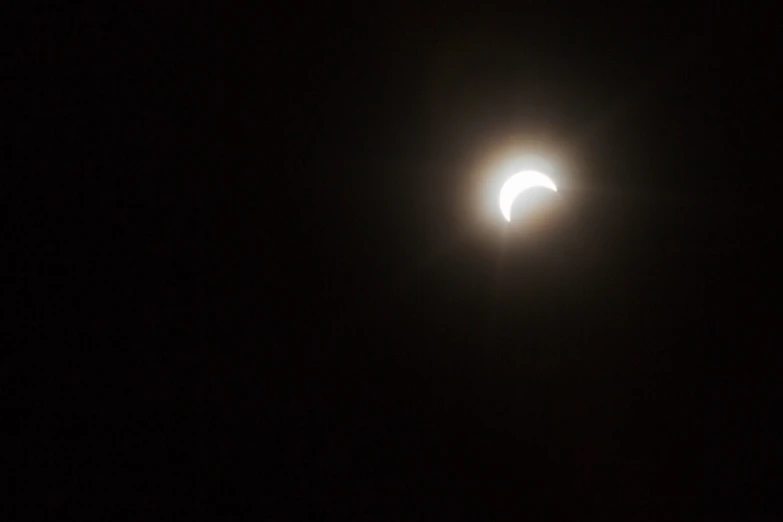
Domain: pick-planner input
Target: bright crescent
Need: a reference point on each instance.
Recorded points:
(519, 183)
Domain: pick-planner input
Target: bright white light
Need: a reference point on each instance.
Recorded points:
(517, 184)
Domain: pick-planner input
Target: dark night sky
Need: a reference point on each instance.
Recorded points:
(244, 279)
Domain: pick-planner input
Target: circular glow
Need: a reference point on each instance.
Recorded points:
(517, 184)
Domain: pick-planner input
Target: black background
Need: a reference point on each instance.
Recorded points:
(244, 282)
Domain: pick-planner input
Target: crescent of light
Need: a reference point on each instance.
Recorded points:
(517, 184)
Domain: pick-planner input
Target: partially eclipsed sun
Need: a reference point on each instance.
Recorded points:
(519, 183)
